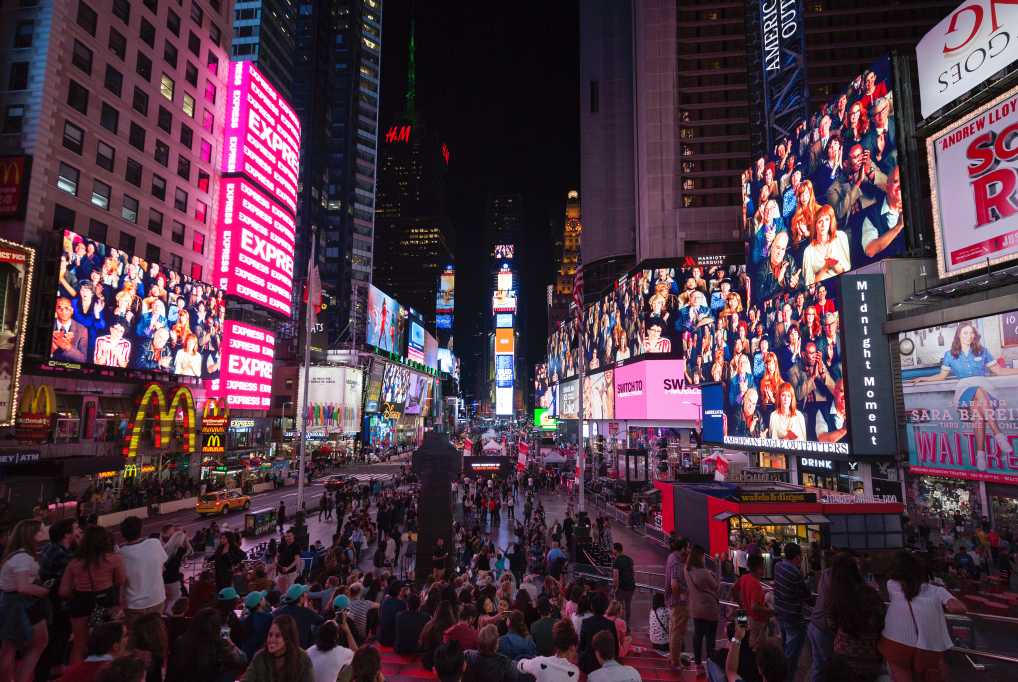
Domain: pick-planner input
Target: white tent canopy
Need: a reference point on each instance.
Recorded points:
(492, 445)
(554, 458)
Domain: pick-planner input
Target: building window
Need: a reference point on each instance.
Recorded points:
(110, 118)
(180, 200)
(206, 151)
(215, 35)
(114, 80)
(198, 244)
(140, 101)
(144, 67)
(166, 87)
(68, 179)
(118, 44)
(126, 242)
(188, 105)
(74, 137)
(97, 230)
(133, 174)
(130, 210)
(201, 210)
(101, 195)
(63, 218)
(155, 221)
(289, 387)
(195, 271)
(215, 6)
(191, 74)
(18, 79)
(165, 119)
(173, 22)
(183, 167)
(152, 253)
(77, 97)
(147, 33)
(162, 153)
(158, 187)
(104, 156)
(186, 136)
(203, 181)
(178, 233)
(81, 57)
(208, 121)
(197, 15)
(137, 137)
(170, 54)
(152, 5)
(14, 119)
(24, 33)
(87, 18)
(194, 44)
(210, 91)
(176, 262)
(213, 62)
(122, 11)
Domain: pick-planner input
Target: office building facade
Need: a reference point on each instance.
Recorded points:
(264, 32)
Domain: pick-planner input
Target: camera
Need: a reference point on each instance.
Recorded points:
(741, 619)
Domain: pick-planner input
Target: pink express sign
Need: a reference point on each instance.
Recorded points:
(655, 389)
(262, 135)
(245, 370)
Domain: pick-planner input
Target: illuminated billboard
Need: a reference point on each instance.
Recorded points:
(445, 360)
(430, 351)
(503, 251)
(256, 241)
(504, 402)
(443, 321)
(262, 135)
(374, 386)
(17, 264)
(599, 395)
(334, 399)
(503, 371)
(395, 387)
(417, 394)
(505, 278)
(116, 310)
(504, 341)
(446, 299)
(245, 374)
(504, 301)
(504, 320)
(655, 389)
(563, 355)
(386, 323)
(415, 341)
(544, 420)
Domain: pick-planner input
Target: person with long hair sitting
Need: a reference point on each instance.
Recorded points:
(201, 654)
(282, 659)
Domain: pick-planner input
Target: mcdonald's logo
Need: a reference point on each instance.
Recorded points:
(212, 443)
(216, 416)
(165, 410)
(12, 175)
(35, 413)
(8, 167)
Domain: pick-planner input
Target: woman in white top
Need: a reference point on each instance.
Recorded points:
(188, 360)
(18, 576)
(555, 668)
(660, 622)
(915, 619)
(787, 423)
(828, 252)
(583, 612)
(327, 656)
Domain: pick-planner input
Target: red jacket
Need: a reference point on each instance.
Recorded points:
(83, 672)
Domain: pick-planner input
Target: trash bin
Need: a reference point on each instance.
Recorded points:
(259, 522)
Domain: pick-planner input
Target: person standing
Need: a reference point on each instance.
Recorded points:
(704, 607)
(856, 614)
(22, 605)
(790, 593)
(143, 591)
(53, 561)
(281, 518)
(439, 559)
(623, 579)
(821, 639)
(677, 600)
(287, 562)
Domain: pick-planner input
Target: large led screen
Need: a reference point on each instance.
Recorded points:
(960, 385)
(262, 135)
(599, 395)
(663, 307)
(415, 341)
(446, 300)
(541, 387)
(655, 389)
(395, 387)
(245, 373)
(569, 399)
(417, 395)
(387, 322)
(334, 398)
(430, 351)
(117, 310)
(374, 386)
(562, 353)
(504, 371)
(445, 361)
(16, 270)
(504, 402)
(256, 239)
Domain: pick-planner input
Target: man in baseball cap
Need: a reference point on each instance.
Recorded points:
(258, 611)
(295, 606)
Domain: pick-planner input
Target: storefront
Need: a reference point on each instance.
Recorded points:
(1003, 499)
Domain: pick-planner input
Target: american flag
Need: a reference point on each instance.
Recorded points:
(578, 292)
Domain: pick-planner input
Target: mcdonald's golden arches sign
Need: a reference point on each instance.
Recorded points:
(164, 409)
(35, 413)
(216, 416)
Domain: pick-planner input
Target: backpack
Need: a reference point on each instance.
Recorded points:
(330, 560)
(379, 558)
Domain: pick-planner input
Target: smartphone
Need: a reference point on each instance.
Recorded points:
(741, 619)
(224, 632)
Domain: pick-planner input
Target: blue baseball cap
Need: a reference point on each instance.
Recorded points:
(228, 593)
(296, 592)
(254, 599)
(341, 602)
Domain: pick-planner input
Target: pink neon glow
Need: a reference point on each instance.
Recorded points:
(262, 134)
(655, 389)
(256, 236)
(245, 373)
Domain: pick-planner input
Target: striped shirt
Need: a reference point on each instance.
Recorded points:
(675, 569)
(790, 591)
(112, 353)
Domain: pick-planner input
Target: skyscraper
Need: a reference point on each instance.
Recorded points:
(562, 293)
(264, 32)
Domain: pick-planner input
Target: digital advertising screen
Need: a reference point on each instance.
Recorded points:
(504, 341)
(374, 386)
(569, 399)
(713, 401)
(599, 395)
(262, 135)
(446, 299)
(504, 301)
(541, 384)
(334, 398)
(415, 342)
(116, 310)
(430, 351)
(395, 388)
(504, 321)
(503, 371)
(503, 401)
(245, 373)
(960, 385)
(443, 321)
(655, 389)
(503, 251)
(562, 353)
(545, 420)
(386, 323)
(16, 270)
(445, 361)
(417, 394)
(256, 240)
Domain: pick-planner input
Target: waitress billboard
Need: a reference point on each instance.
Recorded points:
(960, 384)
(655, 389)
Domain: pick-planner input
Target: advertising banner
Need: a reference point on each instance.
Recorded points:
(16, 270)
(15, 172)
(256, 240)
(333, 399)
(395, 387)
(245, 376)
(262, 135)
(387, 322)
(415, 342)
(599, 395)
(116, 310)
(445, 360)
(503, 371)
(974, 180)
(446, 298)
(417, 396)
(960, 384)
(430, 351)
(374, 386)
(503, 401)
(504, 320)
(966, 48)
(504, 341)
(544, 420)
(569, 399)
(655, 389)
(712, 398)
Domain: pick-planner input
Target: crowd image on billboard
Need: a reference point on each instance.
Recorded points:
(117, 310)
(599, 395)
(386, 325)
(395, 385)
(828, 199)
(562, 353)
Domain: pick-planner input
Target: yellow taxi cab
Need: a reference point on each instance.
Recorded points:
(222, 502)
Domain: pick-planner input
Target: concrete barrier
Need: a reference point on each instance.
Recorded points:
(178, 505)
(116, 518)
(261, 487)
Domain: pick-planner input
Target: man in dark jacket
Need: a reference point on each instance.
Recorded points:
(486, 664)
(393, 605)
(409, 626)
(586, 656)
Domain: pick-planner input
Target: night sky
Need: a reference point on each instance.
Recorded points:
(499, 80)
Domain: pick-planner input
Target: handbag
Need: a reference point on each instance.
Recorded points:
(100, 614)
(931, 663)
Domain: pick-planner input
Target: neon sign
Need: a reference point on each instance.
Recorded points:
(165, 409)
(445, 153)
(245, 379)
(401, 134)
